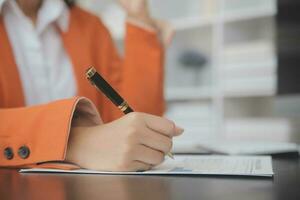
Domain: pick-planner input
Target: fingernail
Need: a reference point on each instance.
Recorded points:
(178, 130)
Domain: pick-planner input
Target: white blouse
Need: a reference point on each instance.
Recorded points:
(45, 68)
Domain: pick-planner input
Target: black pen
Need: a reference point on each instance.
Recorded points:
(101, 84)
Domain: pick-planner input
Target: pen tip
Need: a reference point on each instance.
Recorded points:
(170, 155)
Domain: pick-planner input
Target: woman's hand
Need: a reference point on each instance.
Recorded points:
(137, 10)
(134, 142)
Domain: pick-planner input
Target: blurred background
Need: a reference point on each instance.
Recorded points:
(232, 70)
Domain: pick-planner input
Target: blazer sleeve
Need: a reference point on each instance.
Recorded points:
(138, 75)
(38, 134)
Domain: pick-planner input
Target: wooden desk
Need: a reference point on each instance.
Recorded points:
(284, 185)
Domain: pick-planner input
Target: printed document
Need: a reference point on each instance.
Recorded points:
(194, 165)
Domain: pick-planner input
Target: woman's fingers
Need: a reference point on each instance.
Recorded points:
(139, 166)
(178, 131)
(149, 156)
(156, 141)
(162, 125)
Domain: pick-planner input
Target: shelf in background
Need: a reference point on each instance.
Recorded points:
(250, 87)
(249, 69)
(186, 23)
(231, 88)
(260, 50)
(191, 23)
(267, 10)
(189, 93)
(193, 112)
(271, 129)
(248, 15)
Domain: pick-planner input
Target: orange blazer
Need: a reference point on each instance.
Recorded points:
(44, 129)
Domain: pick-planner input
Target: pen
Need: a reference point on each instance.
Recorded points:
(101, 84)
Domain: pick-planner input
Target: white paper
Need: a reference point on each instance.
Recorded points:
(194, 165)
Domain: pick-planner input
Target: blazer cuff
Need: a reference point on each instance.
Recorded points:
(45, 130)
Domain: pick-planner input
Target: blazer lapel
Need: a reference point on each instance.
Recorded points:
(11, 91)
(77, 48)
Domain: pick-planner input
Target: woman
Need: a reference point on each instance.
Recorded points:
(48, 115)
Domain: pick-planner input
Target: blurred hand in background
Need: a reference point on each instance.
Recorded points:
(137, 10)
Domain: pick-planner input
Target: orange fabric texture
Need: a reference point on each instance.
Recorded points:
(45, 128)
